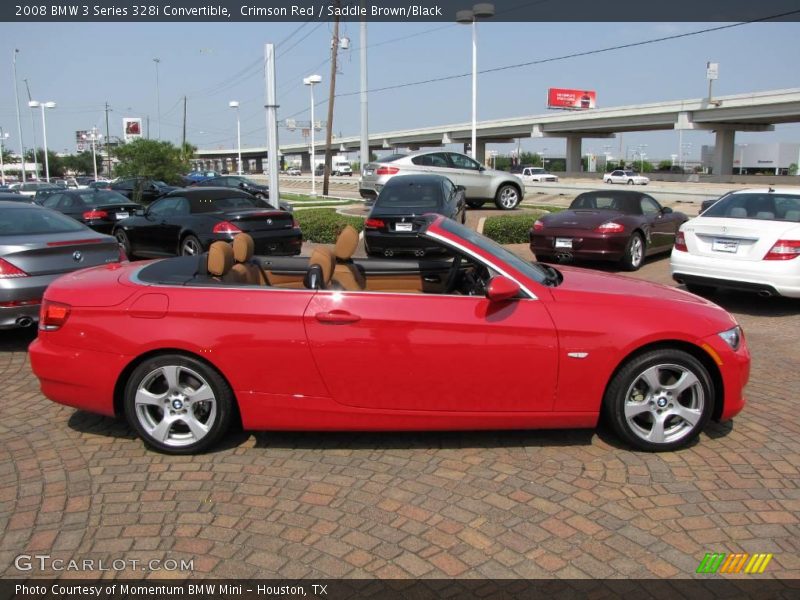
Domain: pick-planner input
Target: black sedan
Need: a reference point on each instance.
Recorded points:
(98, 209)
(390, 227)
(141, 189)
(237, 182)
(186, 222)
(624, 226)
(14, 197)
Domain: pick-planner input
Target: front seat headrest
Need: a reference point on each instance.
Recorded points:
(243, 247)
(346, 243)
(324, 258)
(220, 259)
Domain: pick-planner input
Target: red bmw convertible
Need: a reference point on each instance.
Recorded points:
(479, 339)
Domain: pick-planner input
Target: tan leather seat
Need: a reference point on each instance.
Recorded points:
(346, 273)
(220, 263)
(243, 250)
(325, 259)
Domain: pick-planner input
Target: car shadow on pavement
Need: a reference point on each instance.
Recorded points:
(114, 427)
(17, 340)
(752, 304)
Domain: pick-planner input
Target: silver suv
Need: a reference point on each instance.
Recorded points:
(480, 184)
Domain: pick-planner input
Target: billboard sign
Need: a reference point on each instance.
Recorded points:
(131, 129)
(571, 99)
(80, 139)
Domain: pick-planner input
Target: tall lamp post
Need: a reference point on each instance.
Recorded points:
(94, 136)
(3, 138)
(158, 97)
(311, 81)
(483, 10)
(19, 122)
(43, 105)
(235, 104)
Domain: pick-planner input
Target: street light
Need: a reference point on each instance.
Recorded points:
(93, 137)
(235, 104)
(43, 105)
(311, 81)
(467, 17)
(3, 138)
(158, 97)
(544, 160)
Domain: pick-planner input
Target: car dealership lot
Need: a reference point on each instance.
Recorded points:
(486, 504)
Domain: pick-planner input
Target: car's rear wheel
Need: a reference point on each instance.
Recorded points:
(630, 181)
(123, 240)
(634, 253)
(191, 246)
(609, 180)
(178, 404)
(507, 197)
(474, 203)
(660, 400)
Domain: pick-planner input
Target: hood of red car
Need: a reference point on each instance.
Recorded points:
(580, 219)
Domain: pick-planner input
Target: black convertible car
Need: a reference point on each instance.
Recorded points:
(187, 221)
(99, 209)
(237, 182)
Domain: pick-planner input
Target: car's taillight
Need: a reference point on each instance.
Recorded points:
(610, 227)
(95, 214)
(680, 242)
(374, 224)
(386, 170)
(784, 250)
(226, 227)
(53, 315)
(9, 271)
(538, 225)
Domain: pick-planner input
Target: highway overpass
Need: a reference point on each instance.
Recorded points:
(723, 115)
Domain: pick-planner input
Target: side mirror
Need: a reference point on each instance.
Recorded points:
(461, 188)
(481, 169)
(501, 289)
(666, 210)
(242, 185)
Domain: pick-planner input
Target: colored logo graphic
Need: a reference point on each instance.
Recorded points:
(719, 562)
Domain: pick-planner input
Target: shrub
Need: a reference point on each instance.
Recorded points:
(323, 225)
(511, 229)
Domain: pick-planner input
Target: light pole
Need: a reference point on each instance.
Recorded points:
(741, 157)
(158, 97)
(19, 122)
(470, 17)
(235, 104)
(43, 105)
(93, 137)
(641, 153)
(544, 160)
(311, 81)
(3, 138)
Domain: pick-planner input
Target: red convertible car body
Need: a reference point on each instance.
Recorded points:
(482, 341)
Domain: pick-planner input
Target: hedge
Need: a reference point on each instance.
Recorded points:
(512, 229)
(323, 225)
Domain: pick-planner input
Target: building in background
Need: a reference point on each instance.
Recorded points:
(749, 159)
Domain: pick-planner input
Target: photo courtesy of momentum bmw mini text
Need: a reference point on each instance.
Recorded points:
(354, 299)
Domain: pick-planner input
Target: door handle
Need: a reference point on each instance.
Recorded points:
(432, 279)
(337, 317)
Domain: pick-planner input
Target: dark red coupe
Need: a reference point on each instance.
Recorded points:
(479, 339)
(623, 226)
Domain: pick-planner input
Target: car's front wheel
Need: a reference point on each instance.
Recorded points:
(630, 181)
(660, 400)
(124, 242)
(191, 246)
(609, 181)
(634, 253)
(507, 197)
(178, 404)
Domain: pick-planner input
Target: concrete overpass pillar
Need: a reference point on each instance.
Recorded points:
(305, 161)
(723, 152)
(574, 153)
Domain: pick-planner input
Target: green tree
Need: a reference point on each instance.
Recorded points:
(793, 169)
(55, 163)
(151, 158)
(665, 165)
(81, 163)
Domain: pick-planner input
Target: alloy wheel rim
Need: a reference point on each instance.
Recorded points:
(508, 198)
(636, 251)
(175, 405)
(122, 238)
(190, 248)
(664, 403)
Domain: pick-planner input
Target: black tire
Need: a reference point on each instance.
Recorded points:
(609, 181)
(630, 181)
(661, 417)
(507, 197)
(634, 253)
(475, 203)
(210, 417)
(124, 241)
(190, 246)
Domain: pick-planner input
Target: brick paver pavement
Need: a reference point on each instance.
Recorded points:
(488, 504)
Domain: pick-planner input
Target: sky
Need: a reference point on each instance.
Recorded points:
(80, 66)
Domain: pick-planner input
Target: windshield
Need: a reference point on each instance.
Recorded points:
(630, 173)
(35, 221)
(767, 206)
(97, 197)
(529, 269)
(398, 194)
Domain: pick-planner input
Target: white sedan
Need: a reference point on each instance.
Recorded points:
(629, 177)
(537, 174)
(749, 240)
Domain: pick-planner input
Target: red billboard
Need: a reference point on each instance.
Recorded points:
(571, 99)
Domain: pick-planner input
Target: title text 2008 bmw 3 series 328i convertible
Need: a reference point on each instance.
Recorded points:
(478, 340)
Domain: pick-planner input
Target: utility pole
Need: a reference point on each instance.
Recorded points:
(183, 137)
(33, 129)
(271, 105)
(108, 140)
(19, 123)
(364, 111)
(331, 94)
(158, 98)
